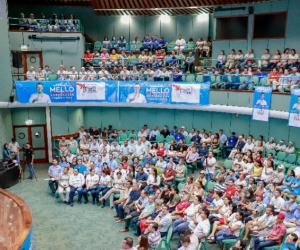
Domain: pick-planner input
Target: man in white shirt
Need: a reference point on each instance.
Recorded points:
(136, 97)
(277, 201)
(202, 229)
(92, 75)
(155, 132)
(139, 150)
(294, 79)
(76, 184)
(180, 43)
(124, 150)
(248, 146)
(103, 74)
(81, 133)
(147, 130)
(281, 146)
(209, 164)
(94, 145)
(184, 132)
(115, 149)
(73, 74)
(62, 73)
(261, 101)
(124, 74)
(14, 148)
(142, 133)
(72, 142)
(69, 156)
(30, 74)
(146, 144)
(39, 97)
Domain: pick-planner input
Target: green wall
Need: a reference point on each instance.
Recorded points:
(67, 120)
(5, 68)
(19, 115)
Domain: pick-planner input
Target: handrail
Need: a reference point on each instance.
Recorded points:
(26, 218)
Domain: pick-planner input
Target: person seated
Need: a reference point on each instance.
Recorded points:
(88, 58)
(113, 44)
(280, 146)
(160, 56)
(113, 58)
(189, 66)
(54, 171)
(64, 185)
(221, 60)
(76, 183)
(146, 43)
(122, 43)
(289, 149)
(135, 209)
(267, 171)
(277, 201)
(180, 43)
(275, 236)
(294, 188)
(275, 60)
(248, 59)
(290, 242)
(91, 185)
(293, 59)
(262, 225)
(168, 175)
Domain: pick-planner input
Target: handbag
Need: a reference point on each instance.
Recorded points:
(143, 225)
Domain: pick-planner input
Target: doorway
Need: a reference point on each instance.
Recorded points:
(36, 136)
(32, 58)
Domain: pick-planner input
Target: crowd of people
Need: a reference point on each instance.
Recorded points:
(54, 23)
(148, 185)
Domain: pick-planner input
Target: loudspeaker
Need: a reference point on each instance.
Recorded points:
(250, 10)
(17, 59)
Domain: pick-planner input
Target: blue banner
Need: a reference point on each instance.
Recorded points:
(188, 93)
(261, 103)
(66, 91)
(294, 115)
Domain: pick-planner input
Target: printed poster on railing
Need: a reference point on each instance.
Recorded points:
(262, 103)
(190, 93)
(294, 115)
(66, 91)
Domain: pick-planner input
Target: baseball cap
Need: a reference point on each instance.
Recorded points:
(260, 195)
(202, 172)
(281, 216)
(183, 127)
(281, 166)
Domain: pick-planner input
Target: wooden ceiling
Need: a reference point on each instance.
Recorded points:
(141, 7)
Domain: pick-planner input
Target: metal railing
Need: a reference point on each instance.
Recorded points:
(44, 25)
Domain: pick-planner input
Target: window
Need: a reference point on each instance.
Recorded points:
(232, 28)
(270, 25)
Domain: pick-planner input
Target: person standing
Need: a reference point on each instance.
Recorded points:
(29, 158)
(14, 149)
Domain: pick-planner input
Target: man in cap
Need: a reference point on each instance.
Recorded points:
(290, 148)
(275, 237)
(280, 146)
(184, 132)
(277, 176)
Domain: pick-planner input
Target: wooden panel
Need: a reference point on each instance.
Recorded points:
(15, 220)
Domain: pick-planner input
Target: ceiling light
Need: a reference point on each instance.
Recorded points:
(125, 19)
(165, 18)
(202, 17)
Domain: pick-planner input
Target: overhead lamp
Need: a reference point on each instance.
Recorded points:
(202, 17)
(165, 18)
(125, 19)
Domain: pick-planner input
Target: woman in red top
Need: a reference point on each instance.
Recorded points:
(125, 162)
(161, 151)
(181, 207)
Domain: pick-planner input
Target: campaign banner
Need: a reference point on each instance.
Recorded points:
(188, 93)
(66, 91)
(294, 114)
(261, 103)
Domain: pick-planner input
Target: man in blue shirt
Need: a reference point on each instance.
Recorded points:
(179, 136)
(112, 164)
(154, 42)
(146, 43)
(93, 157)
(133, 196)
(54, 172)
(174, 131)
(196, 138)
(290, 242)
(223, 137)
(231, 141)
(81, 168)
(148, 159)
(163, 44)
(203, 152)
(141, 177)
